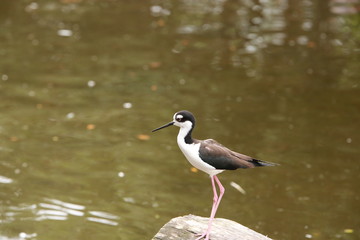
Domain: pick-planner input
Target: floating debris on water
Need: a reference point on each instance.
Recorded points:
(127, 105)
(65, 33)
(143, 137)
(5, 180)
(4, 77)
(70, 115)
(90, 126)
(348, 230)
(129, 199)
(237, 187)
(24, 235)
(55, 138)
(91, 84)
(309, 236)
(14, 139)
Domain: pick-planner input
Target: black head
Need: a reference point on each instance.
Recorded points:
(182, 119)
(183, 116)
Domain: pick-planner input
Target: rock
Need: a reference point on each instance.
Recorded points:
(187, 228)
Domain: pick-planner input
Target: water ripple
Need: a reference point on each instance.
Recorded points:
(102, 220)
(66, 204)
(103, 214)
(63, 209)
(53, 209)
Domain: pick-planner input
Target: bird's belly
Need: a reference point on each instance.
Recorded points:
(191, 152)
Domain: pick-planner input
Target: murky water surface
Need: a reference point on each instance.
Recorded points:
(82, 83)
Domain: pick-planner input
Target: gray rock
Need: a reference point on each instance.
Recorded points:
(187, 228)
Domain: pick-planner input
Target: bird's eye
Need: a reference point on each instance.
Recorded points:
(179, 118)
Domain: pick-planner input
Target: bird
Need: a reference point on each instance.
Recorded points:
(210, 157)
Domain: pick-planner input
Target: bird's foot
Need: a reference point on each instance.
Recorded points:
(205, 235)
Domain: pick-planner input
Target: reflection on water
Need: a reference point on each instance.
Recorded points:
(54, 209)
(82, 83)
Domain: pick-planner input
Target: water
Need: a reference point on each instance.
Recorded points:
(84, 82)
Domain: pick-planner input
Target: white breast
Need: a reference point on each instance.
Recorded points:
(191, 152)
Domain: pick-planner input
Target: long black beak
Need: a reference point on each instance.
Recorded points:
(166, 125)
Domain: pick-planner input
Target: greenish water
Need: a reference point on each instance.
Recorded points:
(82, 84)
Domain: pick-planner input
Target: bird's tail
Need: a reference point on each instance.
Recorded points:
(261, 163)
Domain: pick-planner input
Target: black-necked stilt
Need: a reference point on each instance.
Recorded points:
(209, 156)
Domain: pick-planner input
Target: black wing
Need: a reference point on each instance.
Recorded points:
(221, 157)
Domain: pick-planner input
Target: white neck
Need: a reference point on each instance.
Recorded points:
(184, 130)
(181, 135)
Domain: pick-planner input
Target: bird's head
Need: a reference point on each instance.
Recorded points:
(182, 119)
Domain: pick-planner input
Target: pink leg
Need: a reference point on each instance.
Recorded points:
(222, 191)
(216, 202)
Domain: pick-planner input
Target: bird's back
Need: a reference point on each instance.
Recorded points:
(221, 157)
